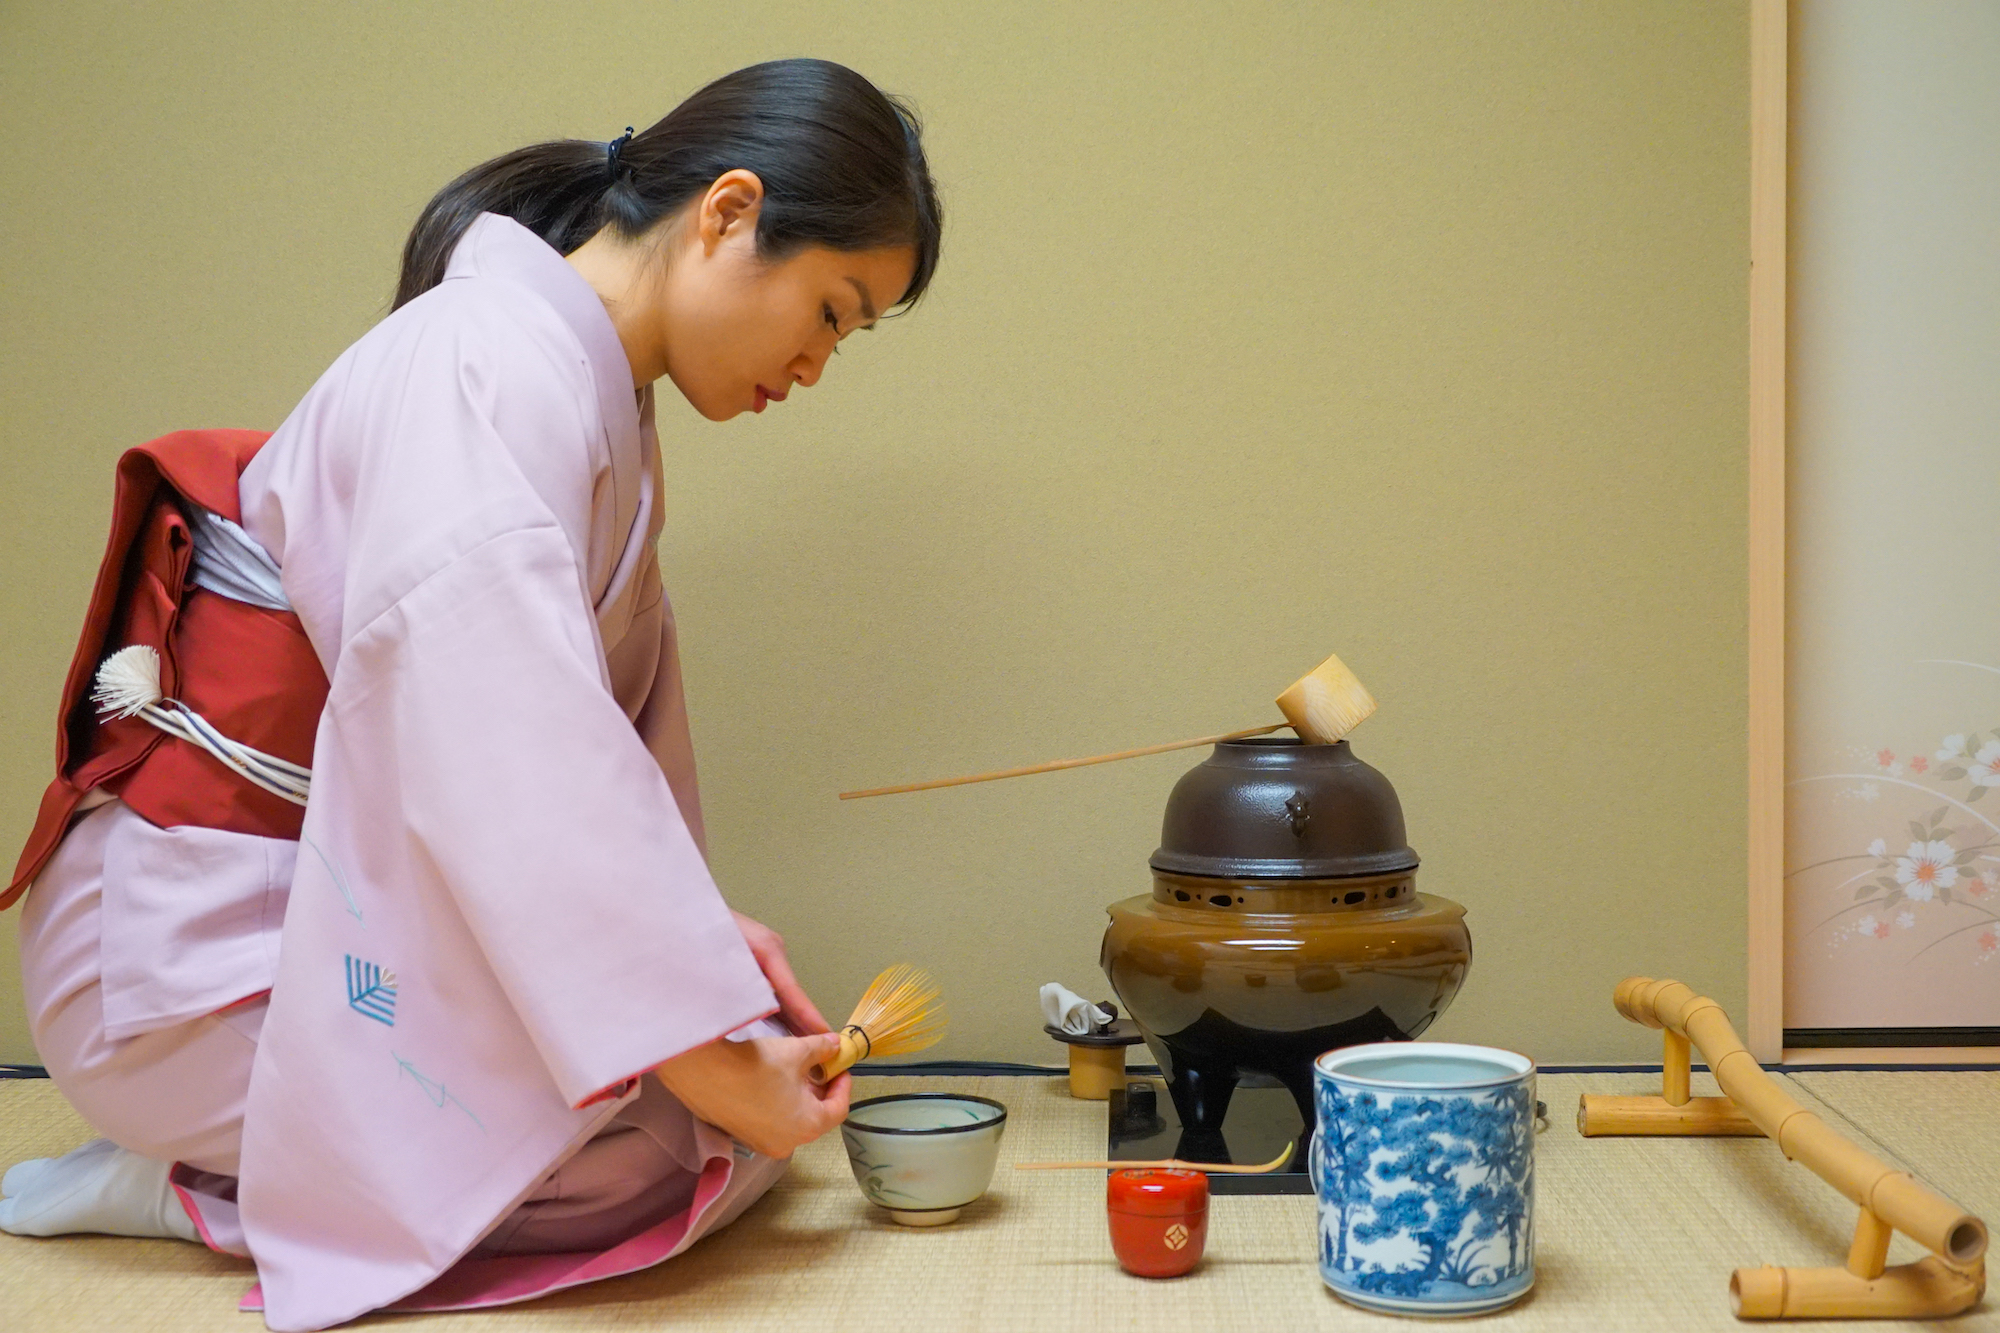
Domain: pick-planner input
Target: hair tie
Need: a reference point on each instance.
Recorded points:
(611, 151)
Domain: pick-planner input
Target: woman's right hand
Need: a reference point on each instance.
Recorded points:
(761, 1091)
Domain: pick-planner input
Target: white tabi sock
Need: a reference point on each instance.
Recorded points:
(100, 1187)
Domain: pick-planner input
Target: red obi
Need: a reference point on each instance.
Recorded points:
(251, 672)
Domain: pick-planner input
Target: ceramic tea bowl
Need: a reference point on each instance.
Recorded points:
(1424, 1164)
(923, 1155)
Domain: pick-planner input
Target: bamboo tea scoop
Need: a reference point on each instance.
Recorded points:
(1321, 707)
(1164, 1164)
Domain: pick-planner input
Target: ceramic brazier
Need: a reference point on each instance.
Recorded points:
(1284, 921)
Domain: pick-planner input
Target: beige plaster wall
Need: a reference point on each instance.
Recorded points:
(1409, 331)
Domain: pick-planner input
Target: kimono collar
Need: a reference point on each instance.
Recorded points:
(499, 247)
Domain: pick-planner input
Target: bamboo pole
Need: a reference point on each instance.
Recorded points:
(1676, 1070)
(1927, 1289)
(1869, 1253)
(1952, 1281)
(1675, 1111)
(1701, 1117)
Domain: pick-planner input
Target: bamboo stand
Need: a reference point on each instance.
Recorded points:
(1952, 1279)
(1095, 1070)
(1097, 1059)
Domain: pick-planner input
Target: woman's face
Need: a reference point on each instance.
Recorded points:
(739, 332)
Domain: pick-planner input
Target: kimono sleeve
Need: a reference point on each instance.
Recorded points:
(527, 795)
(472, 737)
(661, 718)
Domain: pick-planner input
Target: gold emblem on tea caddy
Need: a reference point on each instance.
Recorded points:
(1176, 1237)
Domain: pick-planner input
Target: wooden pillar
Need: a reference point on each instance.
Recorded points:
(1769, 97)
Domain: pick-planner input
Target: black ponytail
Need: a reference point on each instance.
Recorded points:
(842, 164)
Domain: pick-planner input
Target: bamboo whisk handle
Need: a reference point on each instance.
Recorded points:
(854, 1047)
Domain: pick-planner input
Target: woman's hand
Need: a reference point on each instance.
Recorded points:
(760, 1091)
(794, 1006)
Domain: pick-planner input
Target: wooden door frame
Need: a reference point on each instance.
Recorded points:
(1769, 121)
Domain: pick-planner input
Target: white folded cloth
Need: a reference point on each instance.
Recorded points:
(1066, 1011)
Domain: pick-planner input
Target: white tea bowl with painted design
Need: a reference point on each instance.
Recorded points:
(923, 1156)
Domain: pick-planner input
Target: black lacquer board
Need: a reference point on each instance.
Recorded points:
(1261, 1121)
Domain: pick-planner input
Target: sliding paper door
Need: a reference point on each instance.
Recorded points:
(1892, 904)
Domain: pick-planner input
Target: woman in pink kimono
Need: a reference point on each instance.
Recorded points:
(486, 1028)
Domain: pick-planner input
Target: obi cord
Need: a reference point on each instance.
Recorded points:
(128, 685)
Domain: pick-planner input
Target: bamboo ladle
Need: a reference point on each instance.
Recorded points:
(1321, 707)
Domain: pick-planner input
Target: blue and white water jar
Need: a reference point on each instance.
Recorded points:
(1424, 1164)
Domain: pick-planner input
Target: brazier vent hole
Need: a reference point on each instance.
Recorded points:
(1356, 896)
(1220, 900)
(1181, 894)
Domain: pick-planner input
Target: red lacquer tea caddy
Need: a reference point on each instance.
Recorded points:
(1159, 1220)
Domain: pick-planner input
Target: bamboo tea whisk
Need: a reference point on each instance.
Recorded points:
(902, 1011)
(1322, 707)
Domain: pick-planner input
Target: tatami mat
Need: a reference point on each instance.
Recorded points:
(1945, 1127)
(1633, 1234)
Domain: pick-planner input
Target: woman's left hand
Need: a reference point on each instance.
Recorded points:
(794, 1006)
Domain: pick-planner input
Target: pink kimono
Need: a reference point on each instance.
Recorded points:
(498, 917)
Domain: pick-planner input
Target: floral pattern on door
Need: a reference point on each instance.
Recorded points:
(1896, 878)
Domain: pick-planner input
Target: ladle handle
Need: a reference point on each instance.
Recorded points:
(1055, 764)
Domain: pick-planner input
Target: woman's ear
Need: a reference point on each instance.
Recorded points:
(729, 209)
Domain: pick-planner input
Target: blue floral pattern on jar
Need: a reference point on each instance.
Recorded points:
(1426, 1198)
